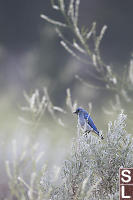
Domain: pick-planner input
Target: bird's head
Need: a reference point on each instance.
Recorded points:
(78, 110)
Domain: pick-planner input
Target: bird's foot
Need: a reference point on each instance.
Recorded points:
(86, 133)
(102, 137)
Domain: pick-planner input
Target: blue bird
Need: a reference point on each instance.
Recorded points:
(85, 121)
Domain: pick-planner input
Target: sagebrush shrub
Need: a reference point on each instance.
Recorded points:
(92, 169)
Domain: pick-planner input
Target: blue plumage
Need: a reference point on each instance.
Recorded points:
(85, 121)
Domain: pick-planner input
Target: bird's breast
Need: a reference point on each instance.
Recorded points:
(81, 121)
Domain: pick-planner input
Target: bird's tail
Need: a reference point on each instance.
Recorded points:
(100, 135)
(97, 132)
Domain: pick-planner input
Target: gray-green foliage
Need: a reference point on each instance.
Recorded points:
(22, 171)
(36, 107)
(80, 46)
(91, 171)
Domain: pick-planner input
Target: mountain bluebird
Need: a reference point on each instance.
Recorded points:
(85, 121)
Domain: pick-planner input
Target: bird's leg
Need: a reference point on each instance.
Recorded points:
(86, 133)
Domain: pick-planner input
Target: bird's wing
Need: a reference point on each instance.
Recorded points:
(90, 122)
